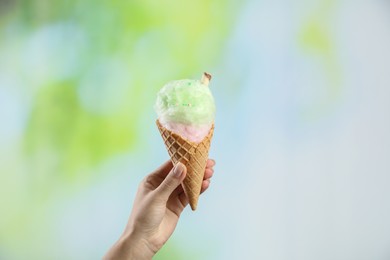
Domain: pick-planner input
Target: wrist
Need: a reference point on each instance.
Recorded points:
(131, 247)
(137, 247)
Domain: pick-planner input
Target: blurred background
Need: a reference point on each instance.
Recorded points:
(302, 138)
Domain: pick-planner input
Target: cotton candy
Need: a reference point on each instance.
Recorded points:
(187, 108)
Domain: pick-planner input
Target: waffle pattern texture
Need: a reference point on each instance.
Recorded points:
(193, 155)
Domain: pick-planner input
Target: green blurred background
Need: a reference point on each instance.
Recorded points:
(302, 129)
(78, 83)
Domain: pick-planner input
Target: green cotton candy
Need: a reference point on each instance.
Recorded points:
(185, 101)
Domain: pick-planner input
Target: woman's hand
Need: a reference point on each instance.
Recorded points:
(157, 207)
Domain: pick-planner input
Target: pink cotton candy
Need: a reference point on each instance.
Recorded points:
(192, 133)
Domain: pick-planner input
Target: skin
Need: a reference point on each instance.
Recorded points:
(156, 211)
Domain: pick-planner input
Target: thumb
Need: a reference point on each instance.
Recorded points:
(173, 179)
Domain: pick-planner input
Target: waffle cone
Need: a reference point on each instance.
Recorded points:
(193, 155)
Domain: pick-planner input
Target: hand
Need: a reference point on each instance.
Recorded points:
(157, 207)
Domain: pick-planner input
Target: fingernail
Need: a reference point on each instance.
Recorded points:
(213, 162)
(178, 171)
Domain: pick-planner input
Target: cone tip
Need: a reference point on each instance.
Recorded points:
(193, 205)
(193, 201)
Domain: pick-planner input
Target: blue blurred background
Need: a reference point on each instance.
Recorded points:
(302, 138)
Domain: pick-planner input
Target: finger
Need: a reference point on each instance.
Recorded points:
(205, 186)
(210, 163)
(177, 191)
(177, 201)
(171, 182)
(153, 180)
(183, 199)
(208, 173)
(209, 167)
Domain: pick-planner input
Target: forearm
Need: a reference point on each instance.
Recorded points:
(129, 248)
